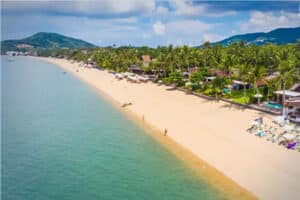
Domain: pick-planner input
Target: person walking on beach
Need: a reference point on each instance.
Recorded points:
(165, 132)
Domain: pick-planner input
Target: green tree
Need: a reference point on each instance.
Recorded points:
(218, 84)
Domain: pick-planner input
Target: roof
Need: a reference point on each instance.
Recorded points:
(296, 87)
(272, 76)
(192, 69)
(288, 93)
(222, 73)
(134, 67)
(295, 102)
(210, 77)
(261, 83)
(240, 82)
(146, 58)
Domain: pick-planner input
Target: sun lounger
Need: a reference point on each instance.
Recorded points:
(276, 138)
(292, 145)
(252, 129)
(272, 137)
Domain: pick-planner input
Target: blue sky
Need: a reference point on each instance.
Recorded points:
(146, 22)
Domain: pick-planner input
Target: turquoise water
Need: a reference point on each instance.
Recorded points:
(274, 105)
(61, 140)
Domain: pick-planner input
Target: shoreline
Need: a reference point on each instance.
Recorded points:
(237, 184)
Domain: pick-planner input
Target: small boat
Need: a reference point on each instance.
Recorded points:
(64, 72)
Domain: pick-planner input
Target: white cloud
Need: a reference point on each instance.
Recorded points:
(98, 31)
(184, 7)
(186, 31)
(266, 21)
(162, 10)
(187, 8)
(87, 7)
(159, 28)
(188, 26)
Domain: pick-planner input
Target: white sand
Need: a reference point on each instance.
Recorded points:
(213, 131)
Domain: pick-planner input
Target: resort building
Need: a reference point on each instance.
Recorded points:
(22, 46)
(146, 59)
(136, 69)
(209, 79)
(238, 85)
(293, 92)
(292, 109)
(222, 73)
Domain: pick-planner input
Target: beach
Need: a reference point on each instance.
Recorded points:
(214, 131)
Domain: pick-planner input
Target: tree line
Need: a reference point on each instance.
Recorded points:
(247, 63)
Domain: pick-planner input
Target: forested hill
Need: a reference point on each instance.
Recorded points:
(44, 40)
(277, 36)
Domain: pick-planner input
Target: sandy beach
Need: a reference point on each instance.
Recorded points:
(213, 131)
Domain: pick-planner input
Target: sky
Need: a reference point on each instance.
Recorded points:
(146, 22)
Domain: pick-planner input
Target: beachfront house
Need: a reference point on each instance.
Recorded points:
(221, 73)
(209, 79)
(146, 59)
(292, 109)
(136, 69)
(293, 92)
(295, 87)
(288, 94)
(192, 70)
(238, 85)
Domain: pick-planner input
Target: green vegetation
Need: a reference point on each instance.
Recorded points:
(173, 65)
(277, 36)
(44, 41)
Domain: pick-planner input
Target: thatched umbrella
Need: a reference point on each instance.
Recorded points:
(258, 96)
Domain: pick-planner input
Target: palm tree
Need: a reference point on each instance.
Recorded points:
(244, 75)
(218, 84)
(286, 77)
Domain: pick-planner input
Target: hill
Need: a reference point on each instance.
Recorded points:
(277, 36)
(44, 40)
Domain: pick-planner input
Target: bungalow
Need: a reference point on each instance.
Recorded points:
(292, 107)
(296, 87)
(263, 82)
(293, 92)
(189, 71)
(209, 79)
(287, 93)
(146, 60)
(24, 46)
(238, 85)
(136, 69)
(222, 73)
(192, 70)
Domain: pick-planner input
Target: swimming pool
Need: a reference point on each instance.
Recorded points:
(274, 105)
(226, 90)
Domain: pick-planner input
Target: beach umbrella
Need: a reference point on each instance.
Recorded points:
(288, 136)
(288, 127)
(279, 119)
(188, 83)
(255, 123)
(258, 96)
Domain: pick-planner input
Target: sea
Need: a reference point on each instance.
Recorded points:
(61, 140)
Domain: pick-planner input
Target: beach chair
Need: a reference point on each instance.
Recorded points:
(261, 134)
(291, 145)
(276, 138)
(298, 146)
(252, 129)
(272, 137)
